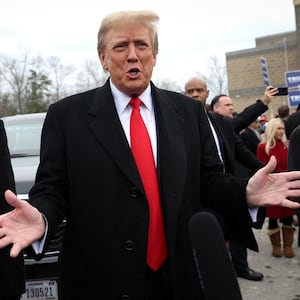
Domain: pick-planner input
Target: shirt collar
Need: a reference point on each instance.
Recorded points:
(121, 99)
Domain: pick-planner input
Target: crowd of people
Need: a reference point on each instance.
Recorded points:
(263, 138)
(129, 230)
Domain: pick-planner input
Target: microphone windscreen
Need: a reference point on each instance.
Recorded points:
(215, 269)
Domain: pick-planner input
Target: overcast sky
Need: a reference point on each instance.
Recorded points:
(190, 31)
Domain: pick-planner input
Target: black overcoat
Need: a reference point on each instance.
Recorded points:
(88, 175)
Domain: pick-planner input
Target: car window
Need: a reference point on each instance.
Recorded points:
(23, 136)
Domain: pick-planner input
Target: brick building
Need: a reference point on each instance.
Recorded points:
(245, 79)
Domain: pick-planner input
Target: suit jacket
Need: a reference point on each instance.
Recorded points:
(12, 280)
(292, 122)
(248, 115)
(235, 151)
(234, 148)
(293, 153)
(250, 139)
(87, 174)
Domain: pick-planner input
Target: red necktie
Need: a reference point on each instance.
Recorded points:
(142, 151)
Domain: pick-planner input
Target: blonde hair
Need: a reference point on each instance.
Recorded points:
(269, 135)
(145, 17)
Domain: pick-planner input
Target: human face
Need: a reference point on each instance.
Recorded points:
(224, 107)
(197, 89)
(129, 57)
(280, 130)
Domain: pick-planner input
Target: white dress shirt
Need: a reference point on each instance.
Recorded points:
(147, 111)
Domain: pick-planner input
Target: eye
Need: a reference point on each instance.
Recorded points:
(120, 47)
(142, 45)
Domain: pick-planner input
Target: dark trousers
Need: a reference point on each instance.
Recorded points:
(238, 255)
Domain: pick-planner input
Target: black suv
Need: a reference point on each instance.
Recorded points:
(24, 136)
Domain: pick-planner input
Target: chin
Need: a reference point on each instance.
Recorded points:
(136, 89)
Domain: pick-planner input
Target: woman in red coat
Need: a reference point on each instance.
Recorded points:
(275, 143)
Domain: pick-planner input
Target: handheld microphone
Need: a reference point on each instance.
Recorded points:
(215, 269)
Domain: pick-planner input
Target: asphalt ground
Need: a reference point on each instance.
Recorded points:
(281, 275)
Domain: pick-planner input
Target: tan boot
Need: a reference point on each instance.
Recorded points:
(288, 239)
(274, 235)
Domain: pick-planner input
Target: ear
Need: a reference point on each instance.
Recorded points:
(103, 61)
(154, 61)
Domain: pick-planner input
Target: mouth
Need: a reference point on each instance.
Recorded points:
(133, 73)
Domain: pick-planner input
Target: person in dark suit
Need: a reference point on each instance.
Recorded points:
(89, 174)
(235, 151)
(235, 155)
(294, 162)
(292, 122)
(12, 279)
(251, 137)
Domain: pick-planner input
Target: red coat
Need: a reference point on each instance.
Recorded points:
(280, 151)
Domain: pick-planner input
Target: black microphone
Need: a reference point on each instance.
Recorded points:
(215, 269)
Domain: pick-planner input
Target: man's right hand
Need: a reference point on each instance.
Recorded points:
(268, 95)
(20, 227)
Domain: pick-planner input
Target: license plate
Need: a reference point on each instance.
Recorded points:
(40, 290)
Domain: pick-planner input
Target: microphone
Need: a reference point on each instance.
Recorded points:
(215, 269)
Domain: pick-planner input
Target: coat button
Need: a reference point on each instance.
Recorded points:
(134, 192)
(129, 245)
(125, 297)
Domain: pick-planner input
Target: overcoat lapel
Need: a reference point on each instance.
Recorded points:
(108, 130)
(172, 160)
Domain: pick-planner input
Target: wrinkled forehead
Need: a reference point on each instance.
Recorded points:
(128, 31)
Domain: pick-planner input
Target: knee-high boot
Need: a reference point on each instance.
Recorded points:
(288, 239)
(274, 235)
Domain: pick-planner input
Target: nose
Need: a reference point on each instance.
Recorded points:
(132, 52)
(195, 94)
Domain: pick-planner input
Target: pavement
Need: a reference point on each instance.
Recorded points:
(281, 275)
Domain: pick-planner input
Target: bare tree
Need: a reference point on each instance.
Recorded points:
(59, 74)
(218, 76)
(14, 77)
(91, 76)
(168, 85)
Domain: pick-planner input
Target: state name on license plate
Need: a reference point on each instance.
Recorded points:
(40, 290)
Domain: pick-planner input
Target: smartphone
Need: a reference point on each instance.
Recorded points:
(282, 91)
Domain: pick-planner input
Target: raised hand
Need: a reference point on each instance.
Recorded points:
(21, 226)
(267, 189)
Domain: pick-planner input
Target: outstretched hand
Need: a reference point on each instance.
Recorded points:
(21, 226)
(267, 189)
